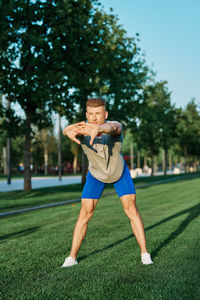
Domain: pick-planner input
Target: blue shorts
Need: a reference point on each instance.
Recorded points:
(93, 188)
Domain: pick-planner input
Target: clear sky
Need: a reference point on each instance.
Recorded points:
(170, 37)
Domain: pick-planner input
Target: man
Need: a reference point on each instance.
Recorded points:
(101, 141)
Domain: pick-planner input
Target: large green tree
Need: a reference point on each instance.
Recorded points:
(155, 124)
(54, 54)
(40, 46)
(113, 68)
(188, 133)
(29, 75)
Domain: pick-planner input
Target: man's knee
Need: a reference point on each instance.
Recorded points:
(85, 214)
(128, 201)
(129, 205)
(87, 209)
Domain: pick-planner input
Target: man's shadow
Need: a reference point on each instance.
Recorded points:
(18, 234)
(193, 212)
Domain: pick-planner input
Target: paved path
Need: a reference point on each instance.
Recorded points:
(38, 182)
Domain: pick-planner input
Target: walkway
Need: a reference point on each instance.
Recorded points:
(38, 182)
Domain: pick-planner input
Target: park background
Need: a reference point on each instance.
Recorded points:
(50, 68)
(144, 63)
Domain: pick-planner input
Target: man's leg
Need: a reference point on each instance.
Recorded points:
(92, 191)
(130, 208)
(80, 229)
(86, 212)
(126, 191)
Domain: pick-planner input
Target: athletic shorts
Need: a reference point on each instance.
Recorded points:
(93, 188)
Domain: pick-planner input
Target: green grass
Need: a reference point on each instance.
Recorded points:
(33, 245)
(24, 199)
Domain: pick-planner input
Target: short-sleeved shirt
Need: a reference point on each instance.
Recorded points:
(106, 162)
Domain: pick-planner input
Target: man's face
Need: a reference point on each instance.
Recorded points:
(96, 115)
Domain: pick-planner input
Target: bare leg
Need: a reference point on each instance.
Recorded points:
(129, 205)
(80, 229)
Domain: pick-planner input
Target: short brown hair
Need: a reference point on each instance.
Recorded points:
(95, 102)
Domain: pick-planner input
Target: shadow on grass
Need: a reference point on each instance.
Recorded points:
(193, 213)
(18, 234)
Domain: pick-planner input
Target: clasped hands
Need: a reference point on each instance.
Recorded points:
(81, 128)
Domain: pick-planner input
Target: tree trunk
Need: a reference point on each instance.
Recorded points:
(153, 165)
(165, 161)
(132, 156)
(45, 160)
(170, 160)
(84, 167)
(5, 172)
(145, 163)
(185, 158)
(195, 165)
(138, 159)
(8, 153)
(75, 162)
(9, 160)
(27, 155)
(44, 137)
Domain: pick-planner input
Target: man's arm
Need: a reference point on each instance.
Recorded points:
(71, 131)
(93, 130)
(111, 127)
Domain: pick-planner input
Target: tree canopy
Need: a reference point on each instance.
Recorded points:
(54, 54)
(188, 132)
(155, 124)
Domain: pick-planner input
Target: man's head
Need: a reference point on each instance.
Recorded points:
(96, 111)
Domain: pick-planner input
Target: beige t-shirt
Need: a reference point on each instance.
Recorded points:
(106, 162)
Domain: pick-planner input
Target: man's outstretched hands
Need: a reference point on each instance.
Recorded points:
(71, 131)
(92, 130)
(88, 129)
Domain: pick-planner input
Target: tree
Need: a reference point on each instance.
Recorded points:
(56, 53)
(112, 68)
(43, 144)
(188, 133)
(155, 124)
(168, 120)
(35, 64)
(25, 74)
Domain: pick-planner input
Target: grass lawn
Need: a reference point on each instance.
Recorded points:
(33, 246)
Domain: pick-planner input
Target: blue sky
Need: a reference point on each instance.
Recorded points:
(170, 37)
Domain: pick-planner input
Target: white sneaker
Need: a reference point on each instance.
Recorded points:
(146, 259)
(69, 262)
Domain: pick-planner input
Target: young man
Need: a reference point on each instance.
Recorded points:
(101, 141)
